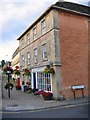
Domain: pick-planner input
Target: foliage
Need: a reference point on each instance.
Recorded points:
(2, 63)
(17, 67)
(8, 85)
(8, 69)
(46, 95)
(49, 69)
(17, 71)
(33, 90)
(27, 72)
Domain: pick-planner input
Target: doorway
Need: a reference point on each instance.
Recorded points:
(34, 80)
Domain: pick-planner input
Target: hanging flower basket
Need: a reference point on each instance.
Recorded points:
(27, 72)
(49, 69)
(17, 71)
(8, 85)
(8, 70)
(17, 67)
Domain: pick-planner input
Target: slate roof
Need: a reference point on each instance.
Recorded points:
(15, 53)
(74, 7)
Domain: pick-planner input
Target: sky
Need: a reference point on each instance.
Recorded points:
(15, 17)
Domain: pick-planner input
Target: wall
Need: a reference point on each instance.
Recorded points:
(47, 38)
(74, 52)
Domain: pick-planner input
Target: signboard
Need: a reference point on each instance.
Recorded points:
(78, 87)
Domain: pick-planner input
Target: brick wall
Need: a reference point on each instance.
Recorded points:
(74, 52)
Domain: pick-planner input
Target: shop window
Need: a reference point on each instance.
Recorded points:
(44, 81)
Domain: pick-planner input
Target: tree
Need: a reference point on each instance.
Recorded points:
(2, 63)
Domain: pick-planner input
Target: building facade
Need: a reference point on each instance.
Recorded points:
(58, 38)
(15, 61)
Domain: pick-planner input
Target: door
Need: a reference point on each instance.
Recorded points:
(34, 80)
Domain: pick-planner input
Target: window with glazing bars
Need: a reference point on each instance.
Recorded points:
(43, 26)
(28, 38)
(23, 60)
(34, 33)
(35, 55)
(28, 58)
(44, 51)
(44, 81)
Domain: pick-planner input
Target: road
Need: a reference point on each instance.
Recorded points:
(72, 111)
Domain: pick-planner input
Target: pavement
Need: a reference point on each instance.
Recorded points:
(23, 101)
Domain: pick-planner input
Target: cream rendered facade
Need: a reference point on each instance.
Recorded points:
(15, 60)
(50, 37)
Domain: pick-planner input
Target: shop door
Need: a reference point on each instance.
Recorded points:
(34, 80)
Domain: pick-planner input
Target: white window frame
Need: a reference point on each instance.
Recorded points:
(44, 54)
(28, 38)
(44, 81)
(23, 60)
(35, 55)
(34, 33)
(28, 58)
(43, 26)
(22, 42)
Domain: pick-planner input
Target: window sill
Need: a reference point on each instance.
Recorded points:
(44, 60)
(35, 62)
(28, 64)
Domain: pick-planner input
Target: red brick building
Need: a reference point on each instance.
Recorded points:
(74, 51)
(64, 43)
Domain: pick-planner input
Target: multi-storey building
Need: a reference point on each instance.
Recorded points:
(15, 60)
(59, 37)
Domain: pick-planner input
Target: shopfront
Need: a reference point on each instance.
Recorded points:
(40, 80)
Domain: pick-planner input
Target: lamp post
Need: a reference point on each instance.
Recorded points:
(8, 73)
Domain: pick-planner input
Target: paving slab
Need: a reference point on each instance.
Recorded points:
(20, 101)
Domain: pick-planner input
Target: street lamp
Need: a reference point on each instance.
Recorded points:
(8, 71)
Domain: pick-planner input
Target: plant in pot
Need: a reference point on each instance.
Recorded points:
(9, 85)
(46, 95)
